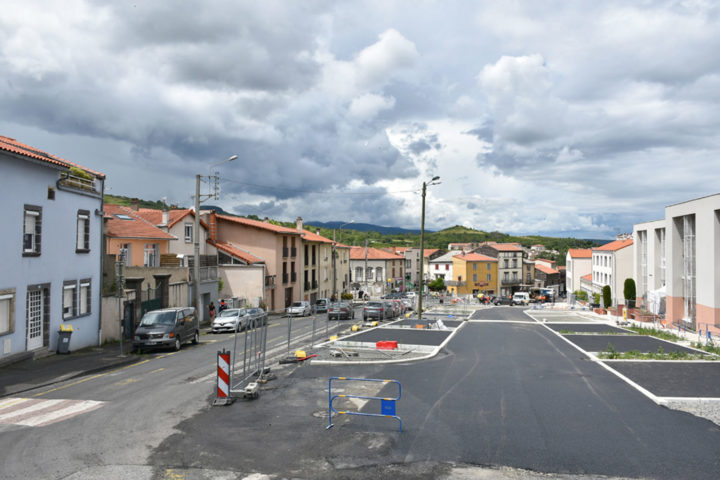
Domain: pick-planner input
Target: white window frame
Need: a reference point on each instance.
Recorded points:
(7, 304)
(34, 213)
(69, 295)
(85, 297)
(82, 242)
(189, 237)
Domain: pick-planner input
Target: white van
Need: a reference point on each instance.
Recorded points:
(521, 298)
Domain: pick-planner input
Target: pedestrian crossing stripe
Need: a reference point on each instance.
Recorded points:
(34, 412)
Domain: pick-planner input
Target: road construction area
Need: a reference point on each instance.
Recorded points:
(503, 392)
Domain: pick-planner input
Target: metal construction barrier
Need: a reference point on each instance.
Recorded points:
(387, 405)
(253, 360)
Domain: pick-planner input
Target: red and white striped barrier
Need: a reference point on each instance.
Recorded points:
(223, 378)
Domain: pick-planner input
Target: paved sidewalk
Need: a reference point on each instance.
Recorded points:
(30, 373)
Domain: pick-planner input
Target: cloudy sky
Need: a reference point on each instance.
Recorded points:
(552, 117)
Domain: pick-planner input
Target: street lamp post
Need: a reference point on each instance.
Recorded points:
(196, 230)
(422, 243)
(334, 260)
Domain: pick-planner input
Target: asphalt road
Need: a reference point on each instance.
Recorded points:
(501, 394)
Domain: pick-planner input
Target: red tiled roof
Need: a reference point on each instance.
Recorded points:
(154, 216)
(507, 247)
(258, 224)
(358, 253)
(134, 227)
(475, 257)
(314, 237)
(562, 267)
(580, 252)
(615, 246)
(236, 252)
(545, 269)
(430, 251)
(12, 145)
(587, 277)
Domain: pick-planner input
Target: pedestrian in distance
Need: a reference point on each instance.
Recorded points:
(211, 310)
(223, 305)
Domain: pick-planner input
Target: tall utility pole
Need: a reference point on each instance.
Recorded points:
(366, 275)
(196, 233)
(422, 244)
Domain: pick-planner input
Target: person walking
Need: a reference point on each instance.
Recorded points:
(211, 310)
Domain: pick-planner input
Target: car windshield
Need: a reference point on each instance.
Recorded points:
(337, 305)
(374, 304)
(158, 318)
(232, 312)
(296, 304)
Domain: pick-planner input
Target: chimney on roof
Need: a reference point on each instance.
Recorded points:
(165, 216)
(298, 224)
(135, 204)
(317, 232)
(266, 220)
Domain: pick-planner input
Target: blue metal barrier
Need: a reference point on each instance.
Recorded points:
(387, 405)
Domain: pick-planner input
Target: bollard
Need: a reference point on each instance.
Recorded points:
(288, 342)
(312, 341)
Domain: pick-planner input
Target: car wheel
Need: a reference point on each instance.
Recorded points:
(196, 338)
(178, 343)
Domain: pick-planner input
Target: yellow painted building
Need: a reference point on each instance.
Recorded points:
(474, 273)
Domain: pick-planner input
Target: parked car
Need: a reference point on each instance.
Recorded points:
(340, 311)
(391, 309)
(299, 309)
(237, 319)
(409, 303)
(501, 300)
(321, 305)
(167, 328)
(375, 310)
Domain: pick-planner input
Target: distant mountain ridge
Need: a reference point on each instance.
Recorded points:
(366, 227)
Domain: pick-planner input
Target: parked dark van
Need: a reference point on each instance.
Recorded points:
(167, 328)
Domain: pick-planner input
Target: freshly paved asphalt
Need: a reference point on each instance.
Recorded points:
(515, 395)
(411, 322)
(588, 328)
(674, 379)
(626, 343)
(408, 336)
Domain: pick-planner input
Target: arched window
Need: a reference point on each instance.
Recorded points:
(370, 273)
(358, 274)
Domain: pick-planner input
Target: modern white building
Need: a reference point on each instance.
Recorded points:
(578, 262)
(50, 250)
(612, 263)
(682, 252)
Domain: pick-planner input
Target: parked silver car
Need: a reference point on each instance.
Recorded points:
(237, 319)
(299, 309)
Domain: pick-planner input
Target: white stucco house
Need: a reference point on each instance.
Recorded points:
(50, 251)
(442, 266)
(578, 262)
(612, 263)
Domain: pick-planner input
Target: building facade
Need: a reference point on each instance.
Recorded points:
(612, 263)
(510, 265)
(578, 263)
(474, 273)
(50, 251)
(371, 268)
(682, 252)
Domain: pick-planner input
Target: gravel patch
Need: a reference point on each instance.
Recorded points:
(704, 408)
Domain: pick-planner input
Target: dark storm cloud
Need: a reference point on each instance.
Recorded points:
(483, 132)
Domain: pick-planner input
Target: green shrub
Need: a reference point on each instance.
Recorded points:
(607, 296)
(346, 296)
(629, 289)
(581, 295)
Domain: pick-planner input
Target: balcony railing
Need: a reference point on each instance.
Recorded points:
(78, 183)
(511, 281)
(314, 284)
(285, 278)
(285, 252)
(293, 252)
(293, 277)
(307, 285)
(206, 274)
(270, 281)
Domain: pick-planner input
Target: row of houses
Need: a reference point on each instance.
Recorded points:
(60, 266)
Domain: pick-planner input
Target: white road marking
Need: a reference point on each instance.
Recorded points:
(33, 412)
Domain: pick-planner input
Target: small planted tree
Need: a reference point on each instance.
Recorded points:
(629, 292)
(437, 285)
(607, 296)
